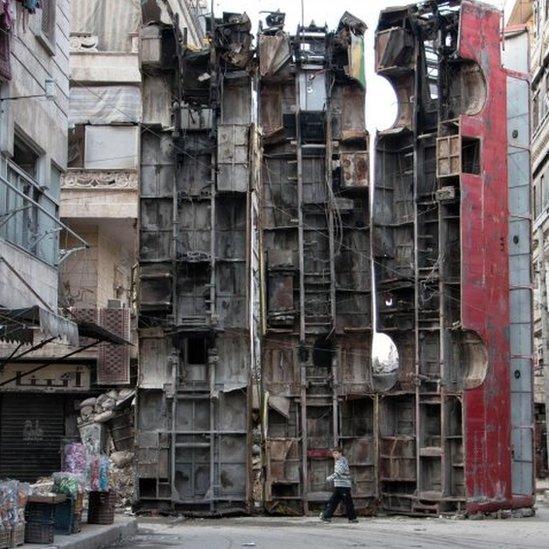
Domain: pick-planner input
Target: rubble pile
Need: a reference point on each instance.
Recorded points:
(122, 477)
(98, 430)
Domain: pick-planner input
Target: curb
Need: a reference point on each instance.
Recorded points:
(95, 536)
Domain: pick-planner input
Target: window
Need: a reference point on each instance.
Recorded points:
(545, 191)
(535, 111)
(196, 351)
(55, 182)
(28, 211)
(48, 20)
(77, 136)
(537, 194)
(25, 157)
(470, 155)
(545, 90)
(539, 197)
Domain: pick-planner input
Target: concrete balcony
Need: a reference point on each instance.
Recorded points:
(94, 194)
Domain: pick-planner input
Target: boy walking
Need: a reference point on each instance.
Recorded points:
(341, 478)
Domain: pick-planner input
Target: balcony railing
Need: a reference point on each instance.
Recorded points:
(29, 218)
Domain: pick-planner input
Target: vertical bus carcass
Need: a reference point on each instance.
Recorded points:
(197, 289)
(441, 253)
(316, 262)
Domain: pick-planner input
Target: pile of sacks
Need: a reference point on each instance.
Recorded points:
(100, 409)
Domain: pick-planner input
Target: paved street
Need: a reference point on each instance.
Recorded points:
(386, 533)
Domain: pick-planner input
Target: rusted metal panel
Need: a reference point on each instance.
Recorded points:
(353, 120)
(271, 109)
(274, 53)
(195, 119)
(232, 371)
(449, 156)
(157, 101)
(152, 456)
(236, 100)
(194, 231)
(283, 473)
(485, 274)
(281, 371)
(354, 366)
(193, 293)
(354, 170)
(154, 359)
(232, 295)
(280, 293)
(232, 156)
(394, 50)
(155, 287)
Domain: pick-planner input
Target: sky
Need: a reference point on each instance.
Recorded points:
(380, 97)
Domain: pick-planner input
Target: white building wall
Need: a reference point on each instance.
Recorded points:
(42, 123)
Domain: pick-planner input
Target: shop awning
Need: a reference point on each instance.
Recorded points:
(20, 325)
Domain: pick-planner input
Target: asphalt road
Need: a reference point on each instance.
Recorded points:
(371, 533)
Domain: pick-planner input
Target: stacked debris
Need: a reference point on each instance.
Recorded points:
(106, 426)
(102, 408)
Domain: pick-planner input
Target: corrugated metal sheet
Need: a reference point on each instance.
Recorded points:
(157, 100)
(232, 156)
(31, 431)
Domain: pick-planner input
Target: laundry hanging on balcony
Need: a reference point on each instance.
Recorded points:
(31, 5)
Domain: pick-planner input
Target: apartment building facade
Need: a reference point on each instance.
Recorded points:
(539, 56)
(33, 142)
(88, 137)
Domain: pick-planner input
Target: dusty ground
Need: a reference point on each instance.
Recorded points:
(373, 533)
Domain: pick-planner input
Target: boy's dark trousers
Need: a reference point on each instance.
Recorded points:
(344, 495)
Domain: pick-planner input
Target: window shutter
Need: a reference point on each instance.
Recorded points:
(5, 60)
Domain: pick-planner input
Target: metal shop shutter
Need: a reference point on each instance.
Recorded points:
(31, 429)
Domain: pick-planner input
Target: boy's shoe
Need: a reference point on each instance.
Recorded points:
(354, 521)
(323, 518)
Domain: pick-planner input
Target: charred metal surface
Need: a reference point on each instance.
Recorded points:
(441, 262)
(196, 295)
(315, 232)
(255, 270)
